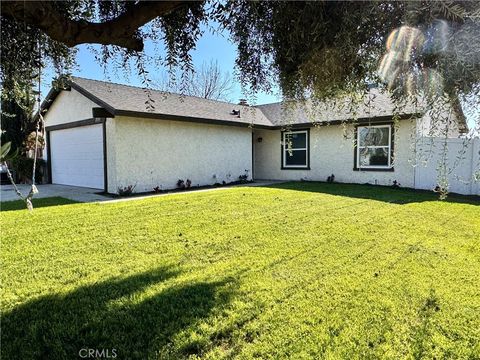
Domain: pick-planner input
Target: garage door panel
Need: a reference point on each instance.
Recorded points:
(77, 156)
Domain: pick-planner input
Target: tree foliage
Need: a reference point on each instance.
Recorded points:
(311, 48)
(17, 120)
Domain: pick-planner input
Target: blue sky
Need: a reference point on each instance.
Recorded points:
(211, 46)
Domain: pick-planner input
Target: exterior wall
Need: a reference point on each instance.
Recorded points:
(149, 153)
(69, 106)
(332, 152)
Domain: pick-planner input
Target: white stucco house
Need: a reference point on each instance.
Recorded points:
(105, 135)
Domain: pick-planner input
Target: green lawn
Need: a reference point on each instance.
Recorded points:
(37, 203)
(293, 271)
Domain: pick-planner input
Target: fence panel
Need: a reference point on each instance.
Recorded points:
(454, 160)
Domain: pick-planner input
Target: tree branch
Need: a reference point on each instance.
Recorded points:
(120, 31)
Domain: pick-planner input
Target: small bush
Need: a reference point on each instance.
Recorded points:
(157, 189)
(395, 184)
(23, 168)
(244, 178)
(126, 190)
(180, 184)
(331, 179)
(188, 183)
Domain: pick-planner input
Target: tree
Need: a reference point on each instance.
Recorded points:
(17, 119)
(69, 23)
(35, 34)
(208, 82)
(311, 48)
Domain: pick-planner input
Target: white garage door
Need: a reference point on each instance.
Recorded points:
(77, 156)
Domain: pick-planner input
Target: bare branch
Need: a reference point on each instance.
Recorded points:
(208, 82)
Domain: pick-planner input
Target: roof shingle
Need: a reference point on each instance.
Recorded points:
(134, 99)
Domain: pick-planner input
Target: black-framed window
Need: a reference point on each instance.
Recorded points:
(374, 147)
(295, 149)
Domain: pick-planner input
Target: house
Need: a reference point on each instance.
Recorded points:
(105, 135)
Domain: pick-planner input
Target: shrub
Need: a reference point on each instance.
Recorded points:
(23, 168)
(180, 184)
(157, 189)
(243, 178)
(188, 183)
(126, 190)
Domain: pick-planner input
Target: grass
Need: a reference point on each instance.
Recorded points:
(300, 270)
(37, 203)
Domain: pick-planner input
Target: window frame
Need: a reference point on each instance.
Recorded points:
(357, 165)
(284, 166)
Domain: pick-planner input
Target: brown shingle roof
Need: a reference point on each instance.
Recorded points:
(124, 99)
(375, 104)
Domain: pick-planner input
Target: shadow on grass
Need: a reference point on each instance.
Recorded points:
(110, 315)
(376, 192)
(37, 203)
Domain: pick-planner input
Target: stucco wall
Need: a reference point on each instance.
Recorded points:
(69, 106)
(152, 153)
(332, 152)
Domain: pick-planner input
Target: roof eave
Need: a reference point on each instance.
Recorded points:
(159, 116)
(363, 120)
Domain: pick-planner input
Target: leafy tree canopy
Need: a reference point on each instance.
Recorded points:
(314, 49)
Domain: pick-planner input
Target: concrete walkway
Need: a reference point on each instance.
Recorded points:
(83, 194)
(75, 193)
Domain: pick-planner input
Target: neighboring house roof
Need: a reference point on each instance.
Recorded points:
(124, 100)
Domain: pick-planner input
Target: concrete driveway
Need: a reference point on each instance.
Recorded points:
(49, 190)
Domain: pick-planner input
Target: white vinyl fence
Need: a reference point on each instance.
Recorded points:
(455, 160)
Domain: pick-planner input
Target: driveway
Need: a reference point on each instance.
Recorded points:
(75, 193)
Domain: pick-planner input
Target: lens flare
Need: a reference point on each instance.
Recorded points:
(399, 69)
(388, 65)
(405, 40)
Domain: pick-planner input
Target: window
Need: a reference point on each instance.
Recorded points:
(295, 149)
(374, 147)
